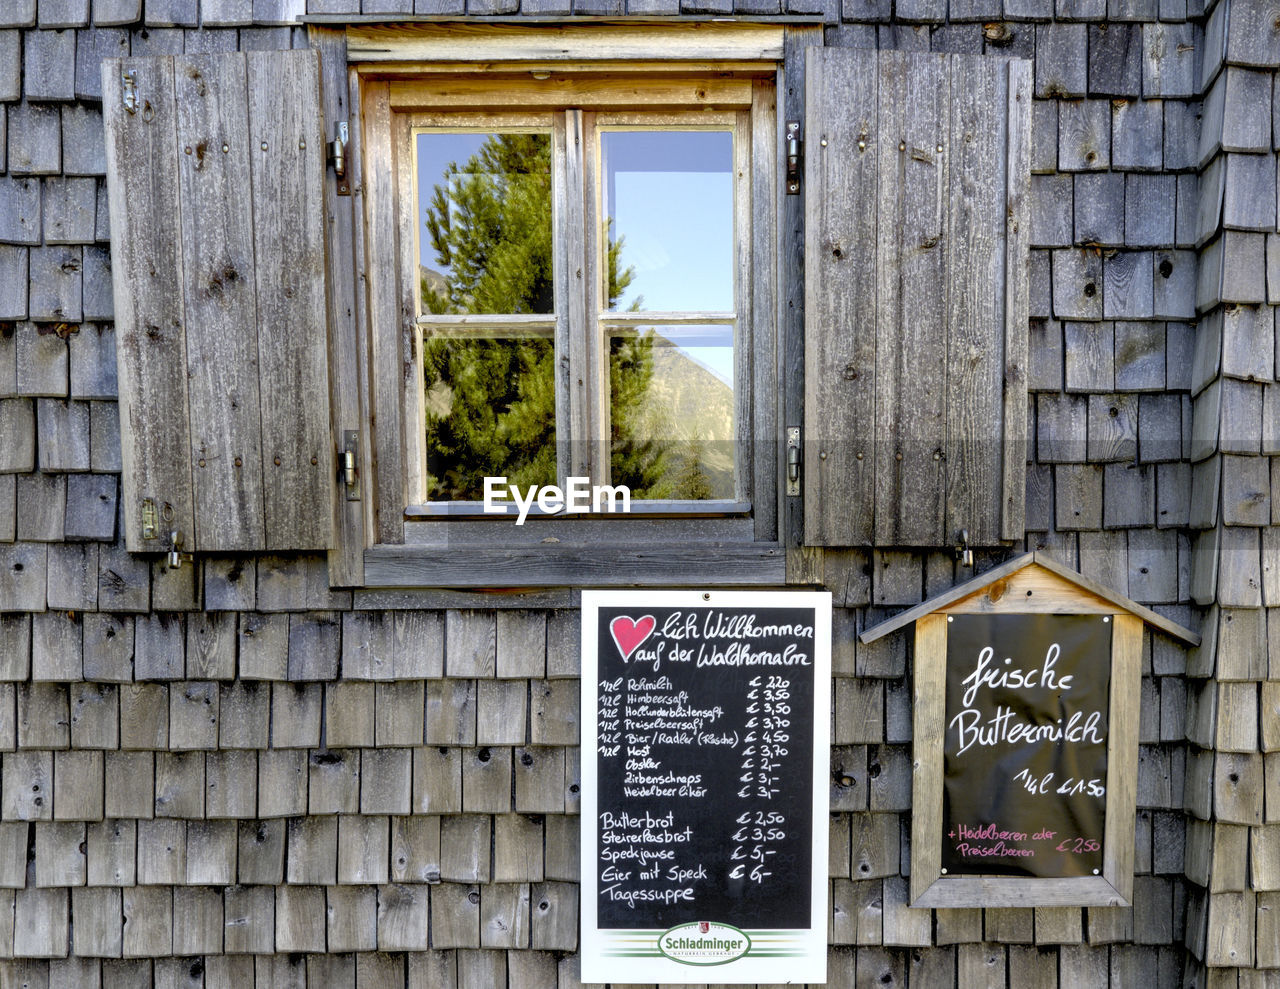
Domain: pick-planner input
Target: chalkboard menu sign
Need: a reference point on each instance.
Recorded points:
(705, 719)
(1025, 748)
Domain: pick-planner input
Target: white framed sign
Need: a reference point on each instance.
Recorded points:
(705, 751)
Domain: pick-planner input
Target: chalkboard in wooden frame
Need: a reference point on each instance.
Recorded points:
(1032, 611)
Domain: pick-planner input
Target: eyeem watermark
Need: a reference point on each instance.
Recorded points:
(580, 496)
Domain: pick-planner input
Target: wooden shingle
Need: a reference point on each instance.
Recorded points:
(133, 784)
(248, 920)
(260, 852)
(313, 851)
(300, 919)
(96, 914)
(231, 784)
(415, 849)
(386, 781)
(333, 782)
(111, 853)
(197, 921)
(437, 780)
(455, 916)
(352, 918)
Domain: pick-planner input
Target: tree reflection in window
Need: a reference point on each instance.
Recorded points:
(490, 396)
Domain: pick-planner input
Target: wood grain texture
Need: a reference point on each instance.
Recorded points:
(840, 190)
(286, 138)
(142, 179)
(926, 795)
(551, 43)
(1013, 456)
(912, 288)
(218, 272)
(760, 309)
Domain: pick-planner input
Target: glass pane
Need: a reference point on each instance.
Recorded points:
(484, 208)
(490, 410)
(668, 203)
(671, 411)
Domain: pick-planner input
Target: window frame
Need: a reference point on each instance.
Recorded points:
(723, 543)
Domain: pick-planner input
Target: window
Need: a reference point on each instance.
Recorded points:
(574, 291)
(658, 342)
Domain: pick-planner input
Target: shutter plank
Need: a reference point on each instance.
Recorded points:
(840, 295)
(287, 157)
(218, 267)
(142, 178)
(1017, 303)
(975, 323)
(910, 383)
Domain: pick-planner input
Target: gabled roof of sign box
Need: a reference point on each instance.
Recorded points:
(978, 584)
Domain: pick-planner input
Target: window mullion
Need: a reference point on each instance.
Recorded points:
(592, 379)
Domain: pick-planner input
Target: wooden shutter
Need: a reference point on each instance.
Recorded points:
(916, 180)
(216, 184)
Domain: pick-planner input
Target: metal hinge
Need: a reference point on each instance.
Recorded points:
(793, 460)
(338, 157)
(794, 150)
(351, 464)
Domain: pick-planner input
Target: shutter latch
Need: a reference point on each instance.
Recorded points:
(794, 147)
(338, 157)
(350, 462)
(129, 91)
(793, 460)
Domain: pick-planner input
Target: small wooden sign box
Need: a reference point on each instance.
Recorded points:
(1026, 696)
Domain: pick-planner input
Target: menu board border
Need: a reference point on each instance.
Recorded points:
(1114, 887)
(626, 955)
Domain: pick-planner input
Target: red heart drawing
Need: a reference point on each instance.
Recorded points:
(629, 633)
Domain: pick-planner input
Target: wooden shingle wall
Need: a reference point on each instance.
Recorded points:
(1233, 731)
(229, 776)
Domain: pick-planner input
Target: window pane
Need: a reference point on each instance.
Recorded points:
(671, 411)
(490, 410)
(668, 203)
(484, 214)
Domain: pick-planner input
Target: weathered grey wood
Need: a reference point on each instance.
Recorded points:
(386, 779)
(455, 916)
(231, 784)
(23, 576)
(840, 184)
(148, 921)
(151, 336)
(298, 582)
(41, 508)
(56, 647)
(104, 438)
(197, 921)
(502, 708)
(333, 782)
(264, 646)
(437, 780)
(17, 419)
(162, 852)
(193, 715)
(21, 215)
(91, 512)
(1084, 135)
(69, 206)
(348, 715)
(95, 716)
(295, 715)
(77, 786)
(111, 853)
(313, 851)
(415, 849)
(1171, 57)
(403, 918)
(910, 289)
(133, 776)
(180, 784)
(286, 133)
(300, 919)
(540, 780)
(13, 288)
(35, 140)
(313, 645)
(158, 646)
(260, 855)
(486, 780)
(1061, 66)
(248, 923)
(1136, 134)
(211, 645)
(451, 712)
(217, 283)
(58, 855)
(1150, 210)
(41, 927)
(555, 911)
(352, 918)
(98, 932)
(397, 644)
(347, 518)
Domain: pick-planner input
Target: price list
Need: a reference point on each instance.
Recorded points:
(704, 766)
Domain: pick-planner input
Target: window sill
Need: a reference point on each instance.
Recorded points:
(561, 564)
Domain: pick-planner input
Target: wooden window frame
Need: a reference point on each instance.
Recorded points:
(716, 543)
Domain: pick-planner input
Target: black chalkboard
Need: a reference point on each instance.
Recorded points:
(1025, 747)
(704, 764)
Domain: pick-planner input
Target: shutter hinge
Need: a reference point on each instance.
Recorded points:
(350, 464)
(176, 557)
(338, 157)
(793, 460)
(794, 150)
